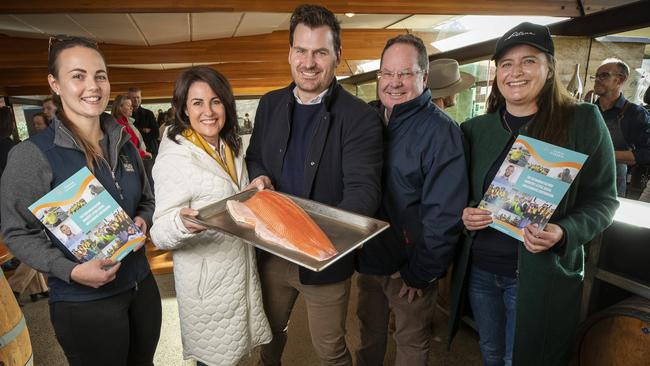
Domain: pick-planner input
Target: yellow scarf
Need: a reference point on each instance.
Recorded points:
(201, 143)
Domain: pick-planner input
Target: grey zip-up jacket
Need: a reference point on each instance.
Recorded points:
(44, 161)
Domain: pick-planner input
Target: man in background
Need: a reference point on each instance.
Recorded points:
(446, 81)
(628, 123)
(49, 110)
(145, 121)
(39, 121)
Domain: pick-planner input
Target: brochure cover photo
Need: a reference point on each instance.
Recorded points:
(530, 184)
(87, 220)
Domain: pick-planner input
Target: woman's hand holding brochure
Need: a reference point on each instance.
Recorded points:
(142, 225)
(95, 272)
(476, 218)
(537, 241)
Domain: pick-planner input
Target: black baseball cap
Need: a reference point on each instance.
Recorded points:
(531, 34)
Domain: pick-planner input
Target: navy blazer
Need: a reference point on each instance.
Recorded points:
(343, 161)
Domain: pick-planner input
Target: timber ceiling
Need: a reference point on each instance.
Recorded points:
(147, 43)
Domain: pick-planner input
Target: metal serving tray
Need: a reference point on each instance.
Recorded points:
(345, 229)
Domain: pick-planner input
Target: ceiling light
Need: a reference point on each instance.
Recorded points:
(349, 15)
(369, 66)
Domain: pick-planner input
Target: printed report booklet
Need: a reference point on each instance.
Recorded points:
(529, 185)
(87, 220)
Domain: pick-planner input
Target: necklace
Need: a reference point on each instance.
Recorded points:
(521, 126)
(505, 122)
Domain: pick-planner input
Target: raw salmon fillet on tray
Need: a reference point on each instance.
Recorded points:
(302, 231)
(277, 219)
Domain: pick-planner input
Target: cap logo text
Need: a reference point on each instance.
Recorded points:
(519, 34)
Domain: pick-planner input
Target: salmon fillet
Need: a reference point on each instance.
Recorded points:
(278, 220)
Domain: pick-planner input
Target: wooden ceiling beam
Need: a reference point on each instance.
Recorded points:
(160, 90)
(567, 8)
(120, 75)
(133, 77)
(357, 44)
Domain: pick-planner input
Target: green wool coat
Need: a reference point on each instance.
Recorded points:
(549, 283)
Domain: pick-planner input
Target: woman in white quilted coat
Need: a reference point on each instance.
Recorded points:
(200, 162)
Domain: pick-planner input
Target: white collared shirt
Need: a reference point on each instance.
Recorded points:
(220, 150)
(317, 99)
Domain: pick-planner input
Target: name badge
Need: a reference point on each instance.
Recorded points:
(126, 163)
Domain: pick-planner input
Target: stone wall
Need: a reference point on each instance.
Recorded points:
(572, 50)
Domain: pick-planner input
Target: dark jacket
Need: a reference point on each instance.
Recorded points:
(5, 145)
(43, 162)
(635, 128)
(344, 158)
(425, 189)
(145, 118)
(549, 283)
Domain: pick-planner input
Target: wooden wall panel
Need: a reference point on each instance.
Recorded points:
(254, 64)
(357, 44)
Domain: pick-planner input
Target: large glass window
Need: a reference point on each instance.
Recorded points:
(471, 102)
(367, 91)
(21, 121)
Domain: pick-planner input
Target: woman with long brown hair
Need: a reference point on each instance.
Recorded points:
(525, 296)
(103, 313)
(200, 162)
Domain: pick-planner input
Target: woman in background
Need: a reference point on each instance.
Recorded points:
(103, 313)
(525, 297)
(200, 162)
(166, 120)
(122, 111)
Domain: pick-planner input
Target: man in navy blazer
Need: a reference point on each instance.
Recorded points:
(315, 140)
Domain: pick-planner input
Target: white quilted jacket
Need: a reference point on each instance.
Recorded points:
(217, 286)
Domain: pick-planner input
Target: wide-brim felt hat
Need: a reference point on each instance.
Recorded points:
(446, 79)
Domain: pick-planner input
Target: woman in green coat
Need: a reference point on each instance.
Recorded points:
(525, 296)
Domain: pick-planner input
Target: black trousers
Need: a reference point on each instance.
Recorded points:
(119, 330)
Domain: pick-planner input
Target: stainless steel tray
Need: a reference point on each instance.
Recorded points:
(346, 230)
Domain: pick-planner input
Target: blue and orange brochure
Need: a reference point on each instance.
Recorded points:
(530, 183)
(86, 219)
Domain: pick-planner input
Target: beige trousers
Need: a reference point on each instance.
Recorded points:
(378, 295)
(326, 312)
